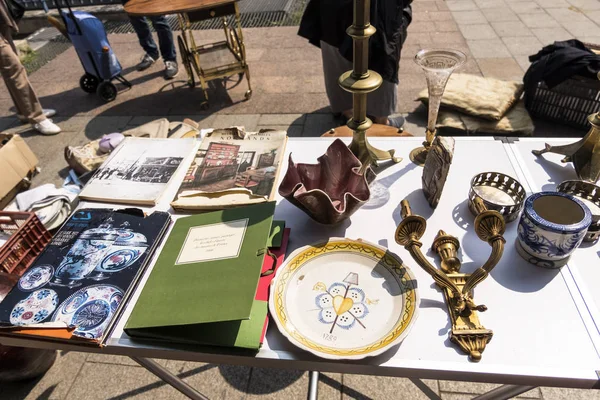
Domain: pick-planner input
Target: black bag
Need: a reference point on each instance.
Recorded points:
(15, 9)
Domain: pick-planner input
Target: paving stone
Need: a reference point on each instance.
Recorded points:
(439, 16)
(425, 6)
(525, 7)
(441, 5)
(581, 28)
(550, 35)
(422, 39)
(490, 48)
(281, 119)
(590, 39)
(469, 17)
(215, 382)
(249, 121)
(55, 384)
(586, 5)
(289, 384)
(103, 381)
(419, 27)
(593, 15)
(379, 387)
(445, 26)
(466, 387)
(483, 4)
(552, 3)
(501, 68)
(524, 45)
(570, 14)
(292, 130)
(461, 5)
(538, 20)
(511, 28)
(447, 38)
(500, 14)
(478, 31)
(571, 394)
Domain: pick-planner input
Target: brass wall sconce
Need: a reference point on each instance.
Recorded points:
(361, 81)
(584, 154)
(467, 332)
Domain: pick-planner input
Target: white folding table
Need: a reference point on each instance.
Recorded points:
(545, 322)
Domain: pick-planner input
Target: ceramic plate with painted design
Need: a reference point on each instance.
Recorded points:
(35, 308)
(344, 299)
(90, 309)
(36, 277)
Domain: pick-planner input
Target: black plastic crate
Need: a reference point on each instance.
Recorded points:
(570, 102)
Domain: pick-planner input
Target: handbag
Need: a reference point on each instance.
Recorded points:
(15, 9)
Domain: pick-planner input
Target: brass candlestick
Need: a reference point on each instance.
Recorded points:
(438, 65)
(361, 81)
(467, 332)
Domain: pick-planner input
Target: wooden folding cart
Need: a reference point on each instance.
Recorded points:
(220, 59)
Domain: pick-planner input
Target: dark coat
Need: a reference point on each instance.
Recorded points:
(327, 20)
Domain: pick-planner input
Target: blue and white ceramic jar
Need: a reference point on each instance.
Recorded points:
(552, 226)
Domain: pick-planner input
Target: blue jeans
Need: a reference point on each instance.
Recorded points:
(165, 36)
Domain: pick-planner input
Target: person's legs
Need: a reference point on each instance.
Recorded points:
(15, 78)
(334, 64)
(165, 38)
(142, 29)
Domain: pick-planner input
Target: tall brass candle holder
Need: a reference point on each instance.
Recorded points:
(438, 65)
(467, 332)
(361, 81)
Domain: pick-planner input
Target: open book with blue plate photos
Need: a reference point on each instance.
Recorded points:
(80, 282)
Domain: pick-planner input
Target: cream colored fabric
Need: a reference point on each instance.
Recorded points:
(487, 98)
(515, 122)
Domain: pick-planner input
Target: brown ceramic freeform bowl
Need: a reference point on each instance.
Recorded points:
(331, 190)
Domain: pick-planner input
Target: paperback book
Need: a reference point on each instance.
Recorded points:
(232, 168)
(77, 286)
(138, 171)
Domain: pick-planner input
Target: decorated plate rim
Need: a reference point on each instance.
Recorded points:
(59, 307)
(362, 353)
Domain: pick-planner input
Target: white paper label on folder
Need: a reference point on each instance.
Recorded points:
(213, 242)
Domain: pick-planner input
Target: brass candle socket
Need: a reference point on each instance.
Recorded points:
(467, 332)
(361, 81)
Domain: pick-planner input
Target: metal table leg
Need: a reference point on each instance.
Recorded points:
(504, 392)
(313, 385)
(169, 378)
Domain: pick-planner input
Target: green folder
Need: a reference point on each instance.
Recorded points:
(206, 274)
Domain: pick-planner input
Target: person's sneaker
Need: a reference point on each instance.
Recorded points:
(171, 69)
(145, 63)
(48, 112)
(47, 127)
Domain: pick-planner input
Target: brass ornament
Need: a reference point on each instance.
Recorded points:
(467, 331)
(584, 154)
(436, 168)
(361, 81)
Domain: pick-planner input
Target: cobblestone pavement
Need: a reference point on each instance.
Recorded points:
(497, 36)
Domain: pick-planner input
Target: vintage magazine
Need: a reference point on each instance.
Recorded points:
(232, 168)
(138, 171)
(79, 284)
